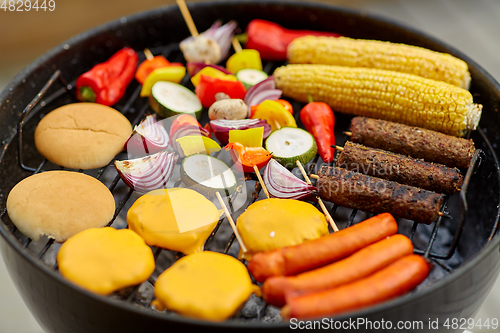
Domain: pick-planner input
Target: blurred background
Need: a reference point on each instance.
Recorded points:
(470, 26)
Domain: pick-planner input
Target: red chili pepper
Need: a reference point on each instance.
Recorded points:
(246, 157)
(106, 82)
(209, 86)
(149, 65)
(271, 39)
(319, 120)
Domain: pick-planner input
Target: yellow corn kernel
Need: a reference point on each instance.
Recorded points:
(357, 91)
(343, 51)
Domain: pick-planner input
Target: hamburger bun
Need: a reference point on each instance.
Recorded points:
(82, 135)
(59, 204)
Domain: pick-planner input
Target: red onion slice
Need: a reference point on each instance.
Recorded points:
(283, 184)
(221, 127)
(148, 137)
(267, 84)
(147, 173)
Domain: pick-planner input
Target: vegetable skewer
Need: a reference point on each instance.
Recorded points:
(231, 222)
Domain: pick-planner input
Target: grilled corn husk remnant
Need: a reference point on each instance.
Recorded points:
(389, 95)
(343, 51)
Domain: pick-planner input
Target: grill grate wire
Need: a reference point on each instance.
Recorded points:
(37, 104)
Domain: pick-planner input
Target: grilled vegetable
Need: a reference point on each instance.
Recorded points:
(275, 114)
(389, 95)
(283, 184)
(394, 280)
(343, 51)
(370, 194)
(291, 144)
(147, 173)
(414, 141)
(316, 253)
(106, 82)
(319, 120)
(358, 265)
(149, 137)
(208, 87)
(245, 158)
(271, 39)
(222, 127)
(173, 74)
(232, 109)
(149, 65)
(251, 77)
(243, 59)
(400, 168)
(171, 99)
(207, 175)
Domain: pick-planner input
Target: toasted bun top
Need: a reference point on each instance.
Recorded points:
(59, 204)
(82, 135)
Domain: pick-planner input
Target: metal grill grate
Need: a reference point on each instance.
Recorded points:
(131, 295)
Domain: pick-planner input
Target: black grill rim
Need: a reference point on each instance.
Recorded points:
(41, 61)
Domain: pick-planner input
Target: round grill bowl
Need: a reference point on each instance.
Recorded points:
(59, 306)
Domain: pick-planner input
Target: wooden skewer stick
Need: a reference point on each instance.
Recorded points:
(261, 181)
(348, 133)
(148, 54)
(314, 176)
(277, 124)
(339, 148)
(231, 222)
(323, 207)
(187, 17)
(236, 45)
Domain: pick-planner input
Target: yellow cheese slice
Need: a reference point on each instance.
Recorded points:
(177, 219)
(207, 285)
(273, 223)
(105, 260)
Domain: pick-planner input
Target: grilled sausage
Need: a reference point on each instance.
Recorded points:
(370, 194)
(394, 280)
(319, 252)
(414, 141)
(400, 168)
(358, 265)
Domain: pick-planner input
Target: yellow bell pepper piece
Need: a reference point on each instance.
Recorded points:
(275, 114)
(171, 73)
(247, 58)
(212, 72)
(251, 137)
(197, 144)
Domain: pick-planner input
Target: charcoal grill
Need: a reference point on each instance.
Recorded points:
(464, 248)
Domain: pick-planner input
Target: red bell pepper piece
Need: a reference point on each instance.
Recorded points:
(209, 86)
(106, 82)
(246, 157)
(149, 65)
(271, 39)
(319, 120)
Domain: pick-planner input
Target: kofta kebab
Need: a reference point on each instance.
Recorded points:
(404, 157)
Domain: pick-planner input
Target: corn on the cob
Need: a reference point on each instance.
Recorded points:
(404, 58)
(378, 93)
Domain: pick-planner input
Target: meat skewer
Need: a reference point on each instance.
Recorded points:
(355, 190)
(399, 168)
(414, 141)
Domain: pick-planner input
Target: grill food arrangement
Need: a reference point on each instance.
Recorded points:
(438, 228)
